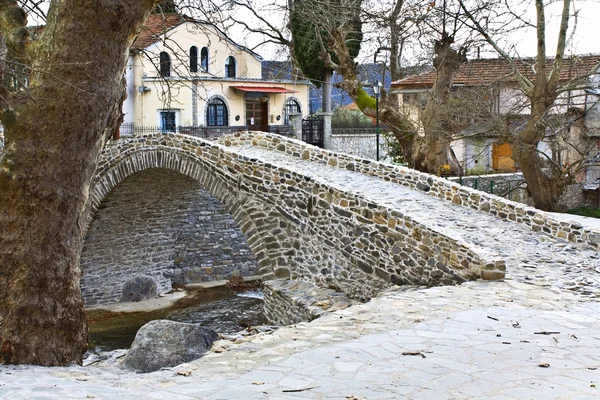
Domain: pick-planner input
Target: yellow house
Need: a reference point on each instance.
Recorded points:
(188, 76)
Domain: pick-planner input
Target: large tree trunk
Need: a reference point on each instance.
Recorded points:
(545, 183)
(434, 150)
(53, 138)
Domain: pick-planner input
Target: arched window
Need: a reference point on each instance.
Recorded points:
(230, 67)
(165, 64)
(204, 59)
(216, 113)
(193, 59)
(291, 106)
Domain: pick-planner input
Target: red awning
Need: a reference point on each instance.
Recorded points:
(264, 89)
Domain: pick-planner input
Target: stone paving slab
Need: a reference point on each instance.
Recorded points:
(534, 257)
(479, 340)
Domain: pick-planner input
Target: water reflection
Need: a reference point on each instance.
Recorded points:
(219, 309)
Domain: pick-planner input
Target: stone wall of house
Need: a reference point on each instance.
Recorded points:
(359, 144)
(301, 229)
(162, 224)
(434, 186)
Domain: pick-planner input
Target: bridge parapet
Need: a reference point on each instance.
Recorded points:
(431, 185)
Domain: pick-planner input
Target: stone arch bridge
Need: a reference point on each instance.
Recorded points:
(341, 222)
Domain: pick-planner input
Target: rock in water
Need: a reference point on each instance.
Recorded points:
(162, 343)
(139, 288)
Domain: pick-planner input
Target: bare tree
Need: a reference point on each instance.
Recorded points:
(542, 81)
(425, 152)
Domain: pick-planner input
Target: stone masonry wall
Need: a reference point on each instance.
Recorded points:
(359, 144)
(434, 186)
(161, 224)
(290, 301)
(298, 227)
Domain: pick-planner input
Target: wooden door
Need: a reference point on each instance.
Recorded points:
(502, 158)
(257, 114)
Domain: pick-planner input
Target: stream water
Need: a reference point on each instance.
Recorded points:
(219, 309)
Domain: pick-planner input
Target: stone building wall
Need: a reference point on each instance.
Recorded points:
(360, 144)
(162, 224)
(289, 302)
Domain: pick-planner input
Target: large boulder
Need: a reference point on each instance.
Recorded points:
(139, 288)
(163, 343)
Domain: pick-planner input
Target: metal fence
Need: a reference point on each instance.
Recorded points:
(207, 132)
(510, 186)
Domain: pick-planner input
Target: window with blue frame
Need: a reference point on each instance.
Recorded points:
(230, 67)
(216, 114)
(204, 59)
(167, 121)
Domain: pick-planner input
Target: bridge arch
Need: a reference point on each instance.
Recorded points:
(119, 164)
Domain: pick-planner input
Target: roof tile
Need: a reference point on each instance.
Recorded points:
(494, 70)
(155, 26)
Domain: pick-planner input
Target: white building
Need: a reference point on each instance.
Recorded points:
(492, 84)
(184, 74)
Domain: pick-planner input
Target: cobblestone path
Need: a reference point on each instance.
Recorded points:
(531, 257)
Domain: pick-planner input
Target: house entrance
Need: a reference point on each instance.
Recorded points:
(502, 158)
(257, 110)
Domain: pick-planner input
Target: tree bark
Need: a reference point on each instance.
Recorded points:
(434, 150)
(54, 133)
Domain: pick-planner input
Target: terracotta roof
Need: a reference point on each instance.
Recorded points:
(155, 26)
(489, 71)
(158, 24)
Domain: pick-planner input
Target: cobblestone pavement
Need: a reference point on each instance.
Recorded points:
(480, 340)
(532, 257)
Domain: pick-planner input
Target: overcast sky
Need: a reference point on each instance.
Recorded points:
(587, 30)
(585, 41)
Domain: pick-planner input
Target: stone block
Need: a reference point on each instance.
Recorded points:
(493, 275)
